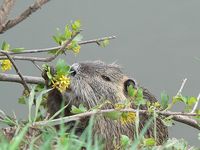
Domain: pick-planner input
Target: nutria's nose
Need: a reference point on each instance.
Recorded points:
(74, 69)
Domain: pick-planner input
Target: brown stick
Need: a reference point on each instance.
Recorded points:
(17, 70)
(5, 10)
(58, 47)
(25, 14)
(46, 59)
(15, 78)
(177, 116)
(62, 48)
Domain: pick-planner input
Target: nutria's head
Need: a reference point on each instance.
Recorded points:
(94, 82)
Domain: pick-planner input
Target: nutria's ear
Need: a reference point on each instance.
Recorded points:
(129, 82)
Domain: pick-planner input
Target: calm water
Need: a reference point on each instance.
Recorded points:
(158, 44)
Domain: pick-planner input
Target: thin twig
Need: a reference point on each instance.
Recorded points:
(37, 66)
(25, 14)
(27, 58)
(15, 78)
(177, 116)
(182, 86)
(196, 104)
(17, 70)
(62, 48)
(58, 47)
(46, 59)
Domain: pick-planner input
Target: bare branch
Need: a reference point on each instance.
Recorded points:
(187, 120)
(15, 78)
(27, 58)
(177, 116)
(58, 47)
(17, 70)
(51, 58)
(37, 66)
(182, 86)
(62, 48)
(196, 104)
(25, 14)
(5, 10)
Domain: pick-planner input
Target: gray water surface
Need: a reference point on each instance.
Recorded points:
(157, 43)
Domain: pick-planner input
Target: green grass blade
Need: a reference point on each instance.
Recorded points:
(38, 103)
(58, 112)
(142, 133)
(30, 103)
(15, 142)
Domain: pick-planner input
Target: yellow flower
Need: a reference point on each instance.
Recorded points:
(61, 83)
(6, 65)
(119, 106)
(127, 117)
(76, 49)
(157, 104)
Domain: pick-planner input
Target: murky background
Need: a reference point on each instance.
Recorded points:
(158, 43)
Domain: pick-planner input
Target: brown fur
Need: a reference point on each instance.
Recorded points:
(91, 84)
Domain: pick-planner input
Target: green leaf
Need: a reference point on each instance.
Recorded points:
(78, 38)
(80, 109)
(179, 98)
(197, 111)
(39, 87)
(164, 100)
(63, 38)
(131, 91)
(139, 100)
(191, 101)
(62, 68)
(168, 121)
(22, 100)
(5, 46)
(16, 50)
(149, 142)
(176, 144)
(49, 75)
(104, 43)
(76, 25)
(57, 39)
(68, 32)
(140, 93)
(124, 141)
(113, 115)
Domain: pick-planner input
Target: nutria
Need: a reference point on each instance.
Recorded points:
(91, 84)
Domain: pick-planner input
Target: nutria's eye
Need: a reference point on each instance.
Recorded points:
(105, 78)
(127, 83)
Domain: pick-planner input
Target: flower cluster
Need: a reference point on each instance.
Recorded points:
(74, 46)
(126, 117)
(76, 49)
(61, 83)
(6, 65)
